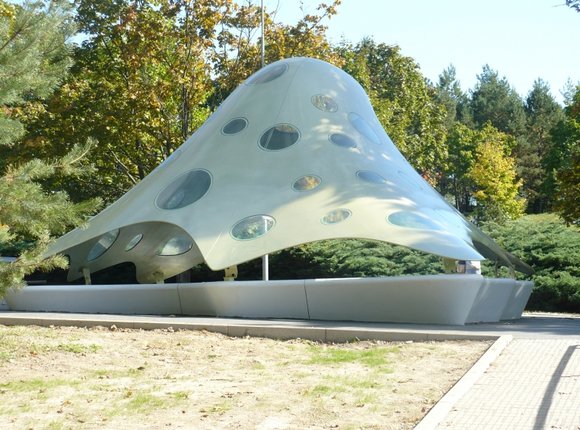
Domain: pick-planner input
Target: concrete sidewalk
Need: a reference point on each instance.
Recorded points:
(529, 379)
(533, 384)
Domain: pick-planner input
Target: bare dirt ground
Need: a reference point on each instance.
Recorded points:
(108, 378)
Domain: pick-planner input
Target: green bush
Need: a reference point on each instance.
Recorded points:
(553, 250)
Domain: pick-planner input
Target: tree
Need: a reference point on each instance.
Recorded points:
(461, 144)
(494, 100)
(149, 74)
(493, 173)
(456, 102)
(237, 55)
(542, 115)
(33, 57)
(563, 162)
(574, 4)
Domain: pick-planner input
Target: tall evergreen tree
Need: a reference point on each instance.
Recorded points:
(493, 100)
(542, 114)
(456, 102)
(33, 58)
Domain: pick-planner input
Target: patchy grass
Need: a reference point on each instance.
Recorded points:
(62, 378)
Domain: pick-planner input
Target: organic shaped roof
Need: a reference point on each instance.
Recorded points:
(295, 154)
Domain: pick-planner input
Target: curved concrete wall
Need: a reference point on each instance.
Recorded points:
(436, 299)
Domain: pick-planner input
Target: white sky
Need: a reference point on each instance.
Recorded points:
(522, 39)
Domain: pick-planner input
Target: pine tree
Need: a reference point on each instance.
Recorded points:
(494, 100)
(33, 59)
(542, 114)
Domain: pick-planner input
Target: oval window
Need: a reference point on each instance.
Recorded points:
(175, 246)
(104, 243)
(235, 126)
(336, 216)
(133, 242)
(306, 183)
(324, 103)
(413, 220)
(267, 74)
(363, 127)
(370, 176)
(253, 227)
(185, 190)
(279, 137)
(342, 140)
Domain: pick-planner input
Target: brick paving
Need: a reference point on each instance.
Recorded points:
(533, 384)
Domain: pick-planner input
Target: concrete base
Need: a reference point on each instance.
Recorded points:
(433, 299)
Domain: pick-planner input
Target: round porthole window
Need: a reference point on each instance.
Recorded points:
(104, 243)
(235, 126)
(279, 137)
(253, 227)
(185, 190)
(371, 177)
(175, 246)
(306, 183)
(413, 220)
(267, 74)
(363, 127)
(342, 140)
(324, 103)
(336, 216)
(133, 242)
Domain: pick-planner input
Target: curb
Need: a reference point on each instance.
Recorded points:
(239, 328)
(442, 408)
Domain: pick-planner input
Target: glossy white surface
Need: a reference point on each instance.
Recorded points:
(294, 155)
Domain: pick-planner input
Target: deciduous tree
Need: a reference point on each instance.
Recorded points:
(493, 172)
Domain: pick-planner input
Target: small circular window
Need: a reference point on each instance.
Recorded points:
(336, 216)
(370, 176)
(253, 227)
(324, 103)
(267, 74)
(185, 190)
(133, 242)
(279, 137)
(342, 140)
(104, 243)
(306, 183)
(175, 246)
(363, 127)
(413, 220)
(235, 126)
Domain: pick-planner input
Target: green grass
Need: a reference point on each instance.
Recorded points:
(78, 348)
(372, 357)
(143, 402)
(35, 385)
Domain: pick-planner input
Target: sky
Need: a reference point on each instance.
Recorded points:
(521, 39)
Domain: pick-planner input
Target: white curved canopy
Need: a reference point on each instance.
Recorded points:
(293, 155)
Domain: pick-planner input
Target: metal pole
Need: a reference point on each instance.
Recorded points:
(265, 262)
(262, 25)
(265, 268)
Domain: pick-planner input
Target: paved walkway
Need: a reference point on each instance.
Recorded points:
(529, 379)
(533, 384)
